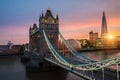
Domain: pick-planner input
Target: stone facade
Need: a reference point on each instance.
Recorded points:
(36, 38)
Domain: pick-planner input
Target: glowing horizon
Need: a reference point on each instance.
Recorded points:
(77, 18)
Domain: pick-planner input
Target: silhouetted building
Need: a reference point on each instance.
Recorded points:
(93, 37)
(104, 31)
(3, 48)
(106, 42)
(10, 44)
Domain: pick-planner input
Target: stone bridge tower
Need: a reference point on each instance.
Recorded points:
(51, 26)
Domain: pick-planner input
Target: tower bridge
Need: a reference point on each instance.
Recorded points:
(44, 41)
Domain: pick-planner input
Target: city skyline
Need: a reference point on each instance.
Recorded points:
(76, 18)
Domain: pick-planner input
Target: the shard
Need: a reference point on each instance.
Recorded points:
(104, 27)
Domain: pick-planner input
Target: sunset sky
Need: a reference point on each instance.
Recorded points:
(77, 17)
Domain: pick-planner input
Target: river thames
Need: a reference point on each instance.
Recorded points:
(11, 68)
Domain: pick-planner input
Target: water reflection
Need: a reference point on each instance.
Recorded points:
(49, 75)
(11, 68)
(101, 55)
(52, 75)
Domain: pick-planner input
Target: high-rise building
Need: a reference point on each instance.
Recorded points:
(104, 31)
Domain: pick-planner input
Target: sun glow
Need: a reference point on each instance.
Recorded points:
(110, 37)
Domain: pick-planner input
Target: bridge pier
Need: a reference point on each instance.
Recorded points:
(35, 63)
(40, 66)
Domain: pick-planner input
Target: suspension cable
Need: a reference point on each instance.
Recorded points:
(84, 67)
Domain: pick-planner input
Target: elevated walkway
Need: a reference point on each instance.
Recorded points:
(107, 74)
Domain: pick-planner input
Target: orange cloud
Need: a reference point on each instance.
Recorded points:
(114, 22)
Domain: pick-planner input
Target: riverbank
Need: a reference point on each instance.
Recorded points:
(10, 54)
(97, 49)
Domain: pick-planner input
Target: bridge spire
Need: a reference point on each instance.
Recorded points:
(42, 14)
(57, 17)
(48, 13)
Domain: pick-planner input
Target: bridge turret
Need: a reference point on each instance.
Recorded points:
(41, 18)
(34, 26)
(33, 37)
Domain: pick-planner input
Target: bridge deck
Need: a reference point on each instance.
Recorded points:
(89, 75)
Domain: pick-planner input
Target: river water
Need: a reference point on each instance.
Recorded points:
(11, 68)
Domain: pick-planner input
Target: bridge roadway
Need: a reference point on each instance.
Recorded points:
(109, 74)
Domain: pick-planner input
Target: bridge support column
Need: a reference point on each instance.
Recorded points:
(92, 73)
(103, 74)
(117, 72)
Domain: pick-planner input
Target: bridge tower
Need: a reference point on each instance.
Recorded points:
(33, 38)
(51, 26)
